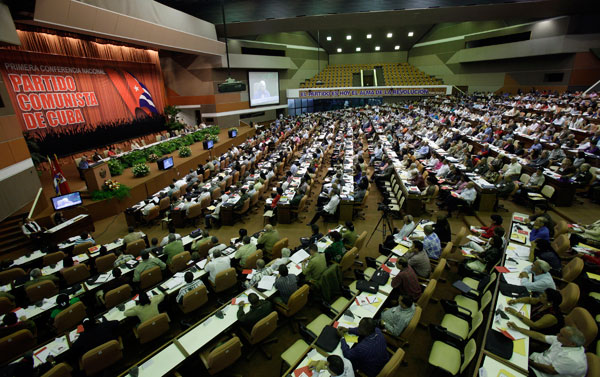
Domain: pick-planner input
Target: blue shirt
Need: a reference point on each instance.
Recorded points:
(542, 233)
(369, 355)
(540, 282)
(432, 246)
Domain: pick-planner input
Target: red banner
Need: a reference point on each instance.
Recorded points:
(50, 91)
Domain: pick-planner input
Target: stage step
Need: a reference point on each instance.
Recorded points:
(11, 235)
(10, 246)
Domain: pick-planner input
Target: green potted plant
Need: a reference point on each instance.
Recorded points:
(172, 122)
(185, 151)
(140, 170)
(115, 167)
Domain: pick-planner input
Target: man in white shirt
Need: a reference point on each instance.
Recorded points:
(329, 209)
(467, 197)
(218, 246)
(565, 357)
(146, 209)
(216, 264)
(514, 168)
(336, 365)
(31, 228)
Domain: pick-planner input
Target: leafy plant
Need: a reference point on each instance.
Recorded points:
(134, 157)
(215, 138)
(140, 170)
(185, 151)
(115, 167)
(152, 157)
(119, 193)
(172, 122)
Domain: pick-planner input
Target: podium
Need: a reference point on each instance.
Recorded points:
(95, 176)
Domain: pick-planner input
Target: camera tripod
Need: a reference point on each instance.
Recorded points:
(385, 223)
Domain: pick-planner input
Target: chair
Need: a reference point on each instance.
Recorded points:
(460, 321)
(53, 258)
(360, 241)
(101, 357)
(423, 301)
(70, 317)
(301, 208)
(180, 262)
(570, 296)
(134, 248)
(152, 215)
(260, 331)
(243, 210)
(164, 204)
(295, 303)
(348, 259)
(223, 355)
(151, 329)
(252, 258)
(583, 320)
(561, 245)
(276, 250)
(15, 344)
(291, 355)
(82, 248)
(8, 276)
(403, 339)
(75, 274)
(547, 193)
(194, 299)
(40, 290)
(59, 370)
(474, 304)
(447, 356)
(116, 296)
(105, 263)
(358, 209)
(561, 227)
(572, 270)
(392, 367)
(194, 212)
(150, 277)
(224, 280)
(6, 305)
(593, 365)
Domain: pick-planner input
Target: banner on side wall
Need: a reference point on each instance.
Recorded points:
(382, 91)
(50, 91)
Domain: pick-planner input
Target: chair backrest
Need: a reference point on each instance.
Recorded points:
(225, 279)
(572, 269)
(53, 258)
(224, 355)
(194, 299)
(216, 194)
(252, 258)
(476, 321)
(9, 275)
(547, 191)
(439, 269)
(153, 328)
(70, 317)
(412, 325)
(468, 354)
(593, 365)
(276, 250)
(101, 357)
(105, 262)
(194, 211)
(134, 248)
(75, 274)
(360, 240)
(203, 249)
(152, 214)
(561, 227)
(205, 202)
(348, 259)
(263, 328)
(392, 367)
(561, 244)
(524, 178)
(15, 344)
(179, 261)
(183, 189)
(245, 207)
(427, 293)
(164, 203)
(297, 300)
(583, 320)
(254, 199)
(446, 251)
(82, 248)
(42, 289)
(6, 305)
(59, 370)
(116, 296)
(150, 277)
(570, 296)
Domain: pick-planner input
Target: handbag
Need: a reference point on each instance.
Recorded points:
(328, 339)
(380, 277)
(367, 286)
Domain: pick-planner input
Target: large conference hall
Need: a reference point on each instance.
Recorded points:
(267, 188)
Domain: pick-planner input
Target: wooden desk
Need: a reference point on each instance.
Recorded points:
(72, 227)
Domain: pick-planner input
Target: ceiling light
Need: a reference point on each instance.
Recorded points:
(410, 33)
(358, 49)
(339, 50)
(348, 37)
(396, 47)
(328, 38)
(377, 48)
(369, 36)
(389, 35)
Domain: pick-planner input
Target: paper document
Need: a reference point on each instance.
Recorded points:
(267, 282)
(512, 278)
(299, 256)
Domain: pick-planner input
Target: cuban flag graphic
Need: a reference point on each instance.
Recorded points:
(135, 95)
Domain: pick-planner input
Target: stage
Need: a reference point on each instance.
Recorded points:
(141, 187)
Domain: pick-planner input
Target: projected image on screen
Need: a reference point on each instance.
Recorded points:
(263, 88)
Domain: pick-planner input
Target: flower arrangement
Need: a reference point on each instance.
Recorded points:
(111, 189)
(215, 138)
(141, 169)
(153, 157)
(115, 167)
(185, 151)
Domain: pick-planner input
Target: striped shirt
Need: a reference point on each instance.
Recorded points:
(286, 285)
(186, 288)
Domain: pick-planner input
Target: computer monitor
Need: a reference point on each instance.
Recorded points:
(66, 201)
(165, 163)
(208, 144)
